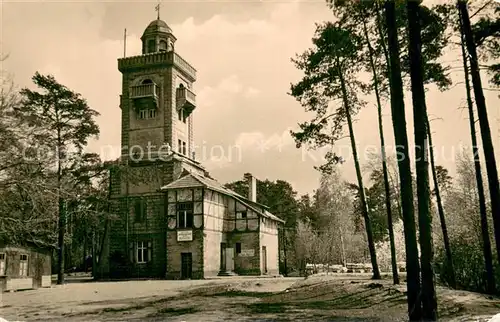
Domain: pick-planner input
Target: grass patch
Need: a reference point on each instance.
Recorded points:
(268, 308)
(178, 311)
(122, 309)
(243, 294)
(171, 311)
(451, 310)
(327, 298)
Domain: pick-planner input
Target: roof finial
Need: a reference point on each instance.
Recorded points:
(157, 8)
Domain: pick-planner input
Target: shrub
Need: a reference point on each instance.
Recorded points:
(468, 261)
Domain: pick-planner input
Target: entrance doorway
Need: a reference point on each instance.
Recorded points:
(229, 259)
(186, 266)
(222, 257)
(264, 259)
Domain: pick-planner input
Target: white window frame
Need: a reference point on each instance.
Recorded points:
(2, 263)
(184, 214)
(23, 265)
(151, 113)
(142, 248)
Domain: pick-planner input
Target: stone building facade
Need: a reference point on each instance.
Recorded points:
(171, 219)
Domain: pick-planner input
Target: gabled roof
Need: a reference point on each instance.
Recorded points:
(193, 180)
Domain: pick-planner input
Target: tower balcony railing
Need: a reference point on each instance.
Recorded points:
(144, 90)
(186, 99)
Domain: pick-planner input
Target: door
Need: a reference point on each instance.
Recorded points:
(186, 266)
(264, 259)
(37, 279)
(229, 259)
(2, 264)
(223, 257)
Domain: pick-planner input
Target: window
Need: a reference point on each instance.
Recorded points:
(185, 215)
(23, 265)
(147, 81)
(163, 45)
(182, 117)
(241, 215)
(145, 114)
(182, 147)
(238, 248)
(140, 210)
(142, 252)
(151, 46)
(2, 264)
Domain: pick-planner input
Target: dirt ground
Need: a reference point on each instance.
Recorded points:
(318, 298)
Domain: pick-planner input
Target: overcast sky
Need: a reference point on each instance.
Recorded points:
(242, 52)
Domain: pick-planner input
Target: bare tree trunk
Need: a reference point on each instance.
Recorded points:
(284, 252)
(395, 276)
(489, 153)
(485, 232)
(62, 214)
(94, 255)
(85, 248)
(429, 300)
(343, 258)
(405, 177)
(442, 218)
(364, 206)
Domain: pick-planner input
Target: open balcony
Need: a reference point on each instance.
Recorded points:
(145, 95)
(186, 100)
(144, 90)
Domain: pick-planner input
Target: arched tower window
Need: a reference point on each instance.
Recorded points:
(147, 81)
(163, 45)
(151, 46)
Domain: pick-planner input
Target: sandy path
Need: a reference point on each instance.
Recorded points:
(318, 298)
(74, 299)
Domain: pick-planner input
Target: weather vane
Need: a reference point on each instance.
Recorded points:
(157, 8)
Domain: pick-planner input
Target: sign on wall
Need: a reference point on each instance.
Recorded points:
(184, 235)
(247, 253)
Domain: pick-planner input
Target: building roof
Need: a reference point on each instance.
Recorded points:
(193, 180)
(158, 26)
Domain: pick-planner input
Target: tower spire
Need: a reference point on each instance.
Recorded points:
(157, 9)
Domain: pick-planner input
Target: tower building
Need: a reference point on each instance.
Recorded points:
(170, 218)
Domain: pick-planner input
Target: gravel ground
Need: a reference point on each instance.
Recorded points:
(318, 298)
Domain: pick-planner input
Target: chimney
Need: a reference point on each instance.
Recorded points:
(252, 187)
